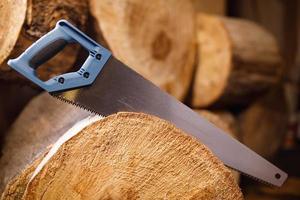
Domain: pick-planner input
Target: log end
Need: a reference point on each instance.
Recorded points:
(156, 39)
(130, 155)
(12, 17)
(214, 60)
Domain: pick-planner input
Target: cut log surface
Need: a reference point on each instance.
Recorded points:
(264, 123)
(130, 156)
(16, 187)
(23, 21)
(155, 38)
(237, 61)
(40, 124)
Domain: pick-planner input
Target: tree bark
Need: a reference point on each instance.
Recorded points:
(130, 155)
(23, 21)
(155, 38)
(237, 61)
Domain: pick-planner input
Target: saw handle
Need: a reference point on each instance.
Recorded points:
(52, 43)
(46, 53)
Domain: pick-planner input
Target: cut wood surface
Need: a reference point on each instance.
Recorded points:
(26, 142)
(130, 156)
(227, 122)
(16, 187)
(24, 21)
(237, 60)
(155, 38)
(40, 124)
(264, 124)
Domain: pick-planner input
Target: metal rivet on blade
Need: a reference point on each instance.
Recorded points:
(61, 80)
(277, 176)
(98, 56)
(86, 74)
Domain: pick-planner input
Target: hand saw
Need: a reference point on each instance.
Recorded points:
(104, 85)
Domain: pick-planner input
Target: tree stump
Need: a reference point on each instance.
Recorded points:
(155, 38)
(23, 21)
(130, 155)
(237, 61)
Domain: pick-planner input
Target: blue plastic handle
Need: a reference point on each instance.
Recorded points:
(50, 44)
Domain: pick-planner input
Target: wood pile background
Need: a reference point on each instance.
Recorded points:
(230, 61)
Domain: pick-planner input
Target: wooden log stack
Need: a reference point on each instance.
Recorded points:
(238, 60)
(228, 68)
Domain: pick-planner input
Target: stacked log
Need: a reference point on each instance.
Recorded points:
(145, 36)
(23, 21)
(134, 155)
(39, 125)
(26, 144)
(264, 123)
(129, 155)
(237, 61)
(17, 186)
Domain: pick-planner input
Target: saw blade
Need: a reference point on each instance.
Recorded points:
(118, 88)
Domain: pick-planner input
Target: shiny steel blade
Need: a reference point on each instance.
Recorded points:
(118, 88)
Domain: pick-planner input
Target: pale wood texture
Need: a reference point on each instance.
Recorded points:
(237, 60)
(227, 122)
(131, 155)
(155, 38)
(40, 124)
(16, 187)
(12, 15)
(31, 134)
(264, 124)
(24, 21)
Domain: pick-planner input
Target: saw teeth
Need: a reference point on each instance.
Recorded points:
(253, 177)
(95, 113)
(76, 104)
